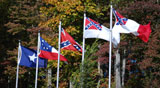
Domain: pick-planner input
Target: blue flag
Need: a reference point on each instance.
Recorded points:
(28, 58)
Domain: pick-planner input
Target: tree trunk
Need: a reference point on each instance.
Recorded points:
(99, 71)
(123, 68)
(117, 70)
(70, 84)
(49, 78)
(8, 82)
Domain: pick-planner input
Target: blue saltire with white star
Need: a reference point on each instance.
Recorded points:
(120, 21)
(92, 24)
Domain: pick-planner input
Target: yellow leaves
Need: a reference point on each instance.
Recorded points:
(51, 1)
(71, 53)
(70, 1)
(52, 23)
(71, 14)
(67, 8)
(52, 63)
(60, 10)
(53, 41)
(68, 12)
(80, 8)
(71, 30)
(92, 8)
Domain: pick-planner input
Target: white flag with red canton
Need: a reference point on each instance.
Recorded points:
(95, 30)
(124, 25)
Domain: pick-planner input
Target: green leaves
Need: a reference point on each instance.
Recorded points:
(87, 75)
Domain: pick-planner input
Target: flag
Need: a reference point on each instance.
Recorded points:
(95, 30)
(68, 43)
(49, 52)
(28, 57)
(124, 25)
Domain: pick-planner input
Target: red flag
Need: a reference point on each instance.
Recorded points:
(68, 43)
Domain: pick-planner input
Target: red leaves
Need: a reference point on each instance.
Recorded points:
(103, 50)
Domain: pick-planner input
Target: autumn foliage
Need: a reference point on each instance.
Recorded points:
(22, 19)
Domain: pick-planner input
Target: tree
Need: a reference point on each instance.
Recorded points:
(87, 76)
(70, 12)
(23, 15)
(147, 53)
(24, 18)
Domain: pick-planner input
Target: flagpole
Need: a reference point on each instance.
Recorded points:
(110, 48)
(18, 61)
(59, 42)
(83, 38)
(83, 48)
(38, 47)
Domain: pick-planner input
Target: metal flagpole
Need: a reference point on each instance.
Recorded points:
(83, 48)
(83, 38)
(110, 48)
(38, 47)
(18, 61)
(59, 42)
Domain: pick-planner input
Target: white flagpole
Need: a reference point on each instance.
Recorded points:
(83, 48)
(38, 47)
(110, 48)
(83, 51)
(18, 61)
(59, 42)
